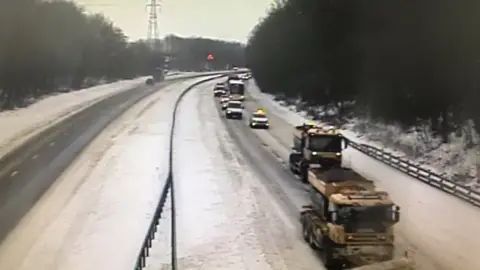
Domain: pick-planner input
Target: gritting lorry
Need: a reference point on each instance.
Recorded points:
(348, 221)
(236, 89)
(316, 147)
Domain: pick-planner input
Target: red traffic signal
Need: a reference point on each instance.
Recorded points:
(210, 57)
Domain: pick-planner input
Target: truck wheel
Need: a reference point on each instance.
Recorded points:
(291, 163)
(308, 234)
(292, 169)
(311, 242)
(390, 251)
(304, 172)
(329, 259)
(305, 232)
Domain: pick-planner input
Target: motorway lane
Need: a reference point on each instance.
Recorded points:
(222, 190)
(277, 181)
(437, 226)
(280, 181)
(254, 227)
(28, 172)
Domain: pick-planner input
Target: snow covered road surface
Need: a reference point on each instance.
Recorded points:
(442, 229)
(28, 172)
(227, 216)
(95, 216)
(20, 124)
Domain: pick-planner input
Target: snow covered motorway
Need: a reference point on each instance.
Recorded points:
(230, 215)
(43, 212)
(237, 204)
(20, 125)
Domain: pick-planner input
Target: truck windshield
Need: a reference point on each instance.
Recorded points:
(365, 218)
(237, 89)
(326, 143)
(235, 105)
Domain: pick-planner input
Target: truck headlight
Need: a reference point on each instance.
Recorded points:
(338, 154)
(314, 153)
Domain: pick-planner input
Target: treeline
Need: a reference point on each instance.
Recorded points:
(192, 53)
(47, 46)
(400, 61)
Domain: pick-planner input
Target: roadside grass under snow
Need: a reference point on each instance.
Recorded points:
(458, 160)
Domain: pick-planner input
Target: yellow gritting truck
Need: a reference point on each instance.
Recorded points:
(348, 221)
(316, 147)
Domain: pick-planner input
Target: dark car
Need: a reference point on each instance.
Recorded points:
(219, 90)
(150, 81)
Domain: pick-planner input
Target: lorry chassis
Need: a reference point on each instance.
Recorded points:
(298, 165)
(333, 255)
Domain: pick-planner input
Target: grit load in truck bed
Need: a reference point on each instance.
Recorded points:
(349, 222)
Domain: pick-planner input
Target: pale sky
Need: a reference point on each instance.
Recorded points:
(222, 19)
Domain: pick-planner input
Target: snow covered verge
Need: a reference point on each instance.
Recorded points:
(458, 160)
(19, 125)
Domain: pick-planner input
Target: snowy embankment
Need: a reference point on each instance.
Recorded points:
(19, 125)
(457, 160)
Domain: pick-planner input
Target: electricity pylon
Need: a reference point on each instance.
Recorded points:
(153, 36)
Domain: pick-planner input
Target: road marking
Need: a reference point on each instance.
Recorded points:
(52, 143)
(13, 173)
(35, 157)
(59, 128)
